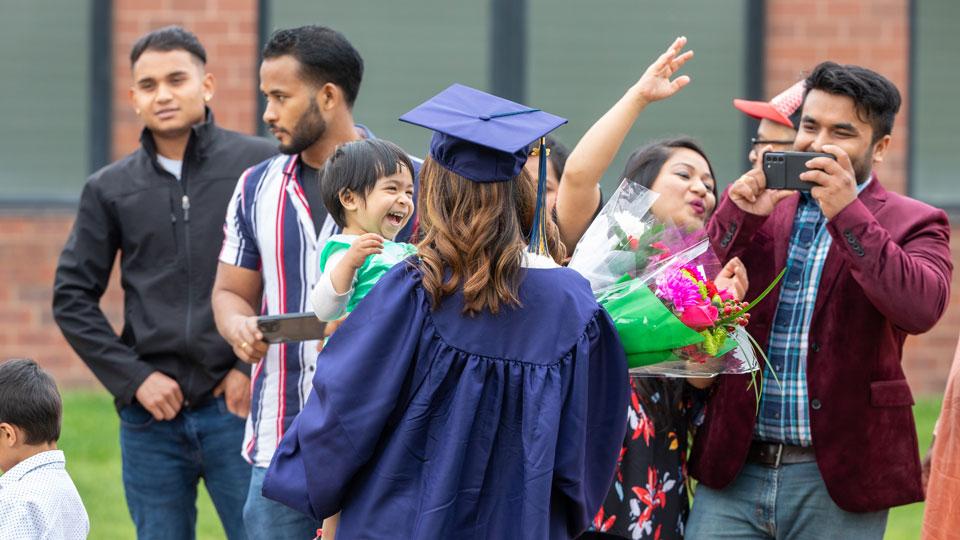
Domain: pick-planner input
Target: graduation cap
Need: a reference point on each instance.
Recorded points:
(486, 138)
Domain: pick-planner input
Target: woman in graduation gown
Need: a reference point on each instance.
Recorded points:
(478, 391)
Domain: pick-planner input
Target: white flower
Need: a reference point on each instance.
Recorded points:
(630, 224)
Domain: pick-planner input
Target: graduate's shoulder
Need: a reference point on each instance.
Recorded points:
(568, 284)
(559, 290)
(404, 277)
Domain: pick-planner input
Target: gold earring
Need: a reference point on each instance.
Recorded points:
(207, 97)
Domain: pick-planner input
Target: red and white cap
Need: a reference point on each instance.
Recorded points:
(779, 109)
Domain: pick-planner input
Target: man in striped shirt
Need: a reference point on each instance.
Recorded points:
(275, 225)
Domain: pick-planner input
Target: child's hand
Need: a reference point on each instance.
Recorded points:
(655, 84)
(363, 247)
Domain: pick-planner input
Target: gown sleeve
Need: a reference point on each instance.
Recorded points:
(592, 427)
(359, 377)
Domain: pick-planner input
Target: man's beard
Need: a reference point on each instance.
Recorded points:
(309, 129)
(863, 166)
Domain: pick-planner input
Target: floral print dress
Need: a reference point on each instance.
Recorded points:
(649, 498)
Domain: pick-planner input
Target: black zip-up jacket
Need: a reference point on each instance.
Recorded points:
(169, 234)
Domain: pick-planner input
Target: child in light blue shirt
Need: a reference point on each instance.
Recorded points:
(37, 496)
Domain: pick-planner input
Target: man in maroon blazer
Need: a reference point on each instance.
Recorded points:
(832, 445)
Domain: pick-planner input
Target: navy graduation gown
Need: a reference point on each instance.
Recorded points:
(429, 424)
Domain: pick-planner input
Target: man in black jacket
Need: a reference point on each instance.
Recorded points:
(180, 391)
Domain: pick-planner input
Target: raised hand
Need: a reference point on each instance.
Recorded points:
(655, 84)
(363, 247)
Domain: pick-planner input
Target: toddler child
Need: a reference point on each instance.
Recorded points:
(367, 187)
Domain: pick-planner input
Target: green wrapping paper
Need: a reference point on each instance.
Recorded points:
(648, 330)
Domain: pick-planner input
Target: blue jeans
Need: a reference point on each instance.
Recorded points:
(164, 460)
(787, 502)
(267, 519)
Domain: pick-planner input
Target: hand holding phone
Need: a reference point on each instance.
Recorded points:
(750, 194)
(782, 170)
(834, 180)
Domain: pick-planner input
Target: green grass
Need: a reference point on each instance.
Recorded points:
(91, 442)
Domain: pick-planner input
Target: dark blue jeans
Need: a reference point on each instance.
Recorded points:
(163, 461)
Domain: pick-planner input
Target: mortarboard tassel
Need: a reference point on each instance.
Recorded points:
(538, 232)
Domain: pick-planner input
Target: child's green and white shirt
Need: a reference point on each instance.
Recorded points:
(330, 306)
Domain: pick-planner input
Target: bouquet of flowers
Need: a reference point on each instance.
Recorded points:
(624, 239)
(653, 281)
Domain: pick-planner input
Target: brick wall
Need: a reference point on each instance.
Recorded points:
(873, 33)
(31, 243)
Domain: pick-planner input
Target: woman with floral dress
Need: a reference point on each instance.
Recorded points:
(648, 498)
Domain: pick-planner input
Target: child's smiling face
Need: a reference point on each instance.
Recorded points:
(389, 205)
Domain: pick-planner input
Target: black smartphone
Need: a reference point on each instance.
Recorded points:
(291, 327)
(782, 169)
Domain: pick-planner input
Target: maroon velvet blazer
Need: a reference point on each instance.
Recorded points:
(887, 275)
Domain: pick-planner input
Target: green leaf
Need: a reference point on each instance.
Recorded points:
(765, 291)
(730, 319)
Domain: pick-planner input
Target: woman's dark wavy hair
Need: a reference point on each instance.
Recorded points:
(665, 396)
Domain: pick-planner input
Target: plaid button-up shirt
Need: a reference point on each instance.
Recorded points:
(784, 415)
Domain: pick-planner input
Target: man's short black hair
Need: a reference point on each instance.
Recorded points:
(876, 98)
(29, 400)
(324, 54)
(356, 166)
(169, 38)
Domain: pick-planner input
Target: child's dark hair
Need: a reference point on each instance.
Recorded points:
(29, 400)
(356, 166)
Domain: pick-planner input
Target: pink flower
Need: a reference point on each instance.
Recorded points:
(725, 295)
(700, 316)
(678, 289)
